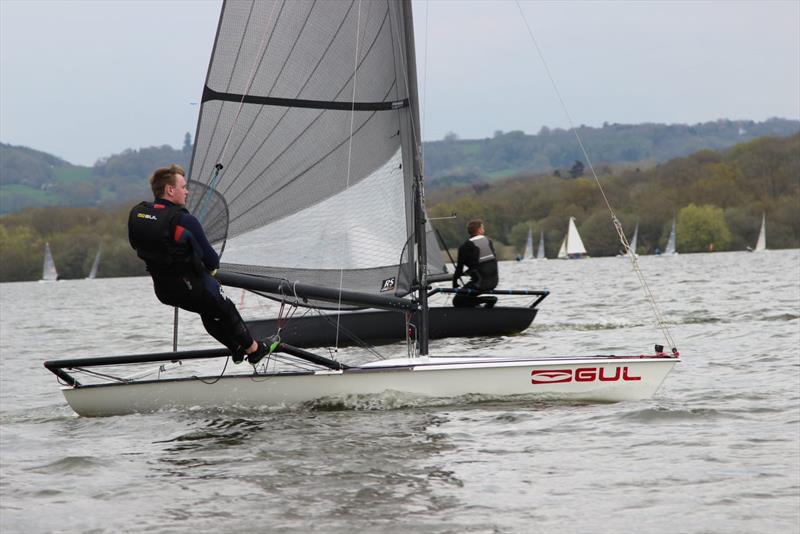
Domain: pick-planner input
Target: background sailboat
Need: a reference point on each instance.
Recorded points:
(95, 264)
(49, 272)
(671, 242)
(540, 253)
(633, 242)
(761, 244)
(528, 255)
(572, 247)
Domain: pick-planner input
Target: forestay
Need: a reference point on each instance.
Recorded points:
(307, 109)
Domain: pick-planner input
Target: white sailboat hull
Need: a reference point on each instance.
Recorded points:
(603, 379)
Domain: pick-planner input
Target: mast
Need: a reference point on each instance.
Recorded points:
(419, 185)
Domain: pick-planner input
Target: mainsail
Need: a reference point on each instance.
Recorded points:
(95, 264)
(572, 246)
(308, 130)
(761, 244)
(671, 241)
(49, 273)
(529, 246)
(540, 253)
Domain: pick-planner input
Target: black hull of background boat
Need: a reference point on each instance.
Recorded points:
(383, 327)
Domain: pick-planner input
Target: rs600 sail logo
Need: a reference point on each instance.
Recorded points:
(582, 374)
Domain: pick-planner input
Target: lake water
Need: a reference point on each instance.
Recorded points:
(716, 450)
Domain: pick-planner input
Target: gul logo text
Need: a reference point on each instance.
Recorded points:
(581, 374)
(146, 216)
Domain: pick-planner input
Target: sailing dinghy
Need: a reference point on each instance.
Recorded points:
(528, 255)
(95, 264)
(307, 172)
(572, 246)
(540, 253)
(49, 272)
(671, 249)
(761, 244)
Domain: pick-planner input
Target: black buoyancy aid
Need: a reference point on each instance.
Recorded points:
(152, 232)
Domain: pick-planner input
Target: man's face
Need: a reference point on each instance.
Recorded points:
(177, 193)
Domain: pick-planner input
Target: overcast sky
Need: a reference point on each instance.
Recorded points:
(86, 79)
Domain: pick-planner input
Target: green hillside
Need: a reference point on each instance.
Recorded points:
(30, 178)
(718, 198)
(453, 161)
(727, 191)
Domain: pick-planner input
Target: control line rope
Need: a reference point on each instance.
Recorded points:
(649, 296)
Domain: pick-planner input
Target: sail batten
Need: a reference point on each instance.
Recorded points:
(306, 193)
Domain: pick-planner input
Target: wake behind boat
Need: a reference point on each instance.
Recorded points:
(307, 172)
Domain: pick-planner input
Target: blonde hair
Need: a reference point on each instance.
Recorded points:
(163, 177)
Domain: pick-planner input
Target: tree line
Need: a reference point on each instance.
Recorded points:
(716, 197)
(74, 234)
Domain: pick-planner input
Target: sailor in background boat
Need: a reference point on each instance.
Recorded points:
(181, 262)
(477, 255)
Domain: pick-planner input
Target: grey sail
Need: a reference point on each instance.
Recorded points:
(308, 110)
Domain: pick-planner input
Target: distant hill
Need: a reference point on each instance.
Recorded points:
(453, 161)
(33, 179)
(30, 178)
(727, 189)
(717, 196)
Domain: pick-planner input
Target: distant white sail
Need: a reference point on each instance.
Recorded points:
(671, 242)
(761, 244)
(540, 253)
(49, 273)
(528, 255)
(93, 271)
(572, 247)
(635, 239)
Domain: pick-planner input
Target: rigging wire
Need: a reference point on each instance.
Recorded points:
(349, 160)
(649, 296)
(425, 83)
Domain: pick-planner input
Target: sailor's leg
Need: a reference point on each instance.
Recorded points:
(222, 320)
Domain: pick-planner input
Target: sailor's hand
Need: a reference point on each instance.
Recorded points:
(213, 273)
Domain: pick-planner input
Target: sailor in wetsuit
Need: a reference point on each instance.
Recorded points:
(477, 255)
(181, 262)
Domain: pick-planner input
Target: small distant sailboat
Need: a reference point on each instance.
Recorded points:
(634, 242)
(540, 253)
(670, 250)
(572, 247)
(761, 244)
(49, 272)
(528, 255)
(93, 271)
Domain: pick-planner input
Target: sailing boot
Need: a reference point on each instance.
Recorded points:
(238, 356)
(254, 357)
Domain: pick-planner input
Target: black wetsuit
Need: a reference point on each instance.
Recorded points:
(476, 258)
(179, 258)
